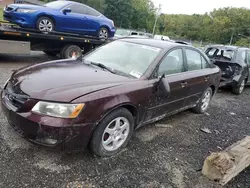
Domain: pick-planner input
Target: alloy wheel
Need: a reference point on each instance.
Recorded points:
(205, 101)
(45, 25)
(242, 85)
(103, 34)
(115, 134)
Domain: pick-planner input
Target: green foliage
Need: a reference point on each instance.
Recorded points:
(216, 27)
(1, 13)
(244, 42)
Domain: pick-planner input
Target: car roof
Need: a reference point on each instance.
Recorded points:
(152, 42)
(226, 47)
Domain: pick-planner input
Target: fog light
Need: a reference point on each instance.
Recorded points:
(49, 141)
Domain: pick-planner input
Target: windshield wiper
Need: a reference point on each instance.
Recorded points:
(103, 67)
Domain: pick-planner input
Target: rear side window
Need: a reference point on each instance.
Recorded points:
(92, 12)
(205, 64)
(172, 63)
(194, 60)
(78, 9)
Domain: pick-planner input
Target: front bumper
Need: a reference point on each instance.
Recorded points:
(48, 131)
(21, 19)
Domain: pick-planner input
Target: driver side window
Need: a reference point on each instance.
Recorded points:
(172, 63)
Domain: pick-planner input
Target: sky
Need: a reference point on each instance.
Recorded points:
(197, 6)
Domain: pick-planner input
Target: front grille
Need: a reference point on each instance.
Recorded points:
(16, 97)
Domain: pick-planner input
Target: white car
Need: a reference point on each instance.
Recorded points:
(161, 37)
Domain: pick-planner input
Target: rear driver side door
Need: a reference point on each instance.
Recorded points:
(198, 75)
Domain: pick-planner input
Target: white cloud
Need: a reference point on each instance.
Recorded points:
(197, 6)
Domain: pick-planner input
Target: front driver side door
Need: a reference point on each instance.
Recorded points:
(75, 21)
(173, 67)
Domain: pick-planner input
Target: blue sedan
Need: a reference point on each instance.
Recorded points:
(61, 16)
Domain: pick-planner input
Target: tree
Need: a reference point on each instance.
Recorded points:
(120, 11)
(244, 42)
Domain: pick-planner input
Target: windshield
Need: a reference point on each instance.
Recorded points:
(56, 4)
(122, 32)
(129, 58)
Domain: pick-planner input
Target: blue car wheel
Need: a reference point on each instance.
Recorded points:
(45, 24)
(103, 33)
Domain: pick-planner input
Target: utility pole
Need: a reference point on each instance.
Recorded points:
(156, 18)
(232, 37)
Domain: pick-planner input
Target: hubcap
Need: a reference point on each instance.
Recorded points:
(45, 25)
(242, 85)
(115, 134)
(206, 100)
(103, 34)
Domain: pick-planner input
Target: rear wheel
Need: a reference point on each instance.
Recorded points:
(45, 24)
(71, 51)
(238, 89)
(204, 102)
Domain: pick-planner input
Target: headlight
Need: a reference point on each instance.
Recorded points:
(24, 10)
(58, 109)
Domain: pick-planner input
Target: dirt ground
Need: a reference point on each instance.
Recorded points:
(167, 154)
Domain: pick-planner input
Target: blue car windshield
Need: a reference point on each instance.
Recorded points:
(126, 57)
(56, 4)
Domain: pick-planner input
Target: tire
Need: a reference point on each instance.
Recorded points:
(103, 33)
(67, 51)
(204, 101)
(51, 53)
(48, 24)
(239, 87)
(118, 139)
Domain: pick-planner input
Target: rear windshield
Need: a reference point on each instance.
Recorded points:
(220, 53)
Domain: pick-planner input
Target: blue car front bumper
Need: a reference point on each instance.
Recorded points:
(21, 19)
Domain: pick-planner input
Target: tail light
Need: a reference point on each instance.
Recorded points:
(113, 24)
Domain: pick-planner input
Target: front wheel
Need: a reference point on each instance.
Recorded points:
(112, 133)
(204, 102)
(45, 24)
(103, 33)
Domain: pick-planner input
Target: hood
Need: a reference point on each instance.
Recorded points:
(64, 80)
(28, 6)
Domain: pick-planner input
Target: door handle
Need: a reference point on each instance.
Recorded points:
(183, 84)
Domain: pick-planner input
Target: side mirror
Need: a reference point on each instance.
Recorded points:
(164, 85)
(66, 10)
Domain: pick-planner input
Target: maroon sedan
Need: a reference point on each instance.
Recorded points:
(100, 99)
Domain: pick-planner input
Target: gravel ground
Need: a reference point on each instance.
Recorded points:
(167, 154)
